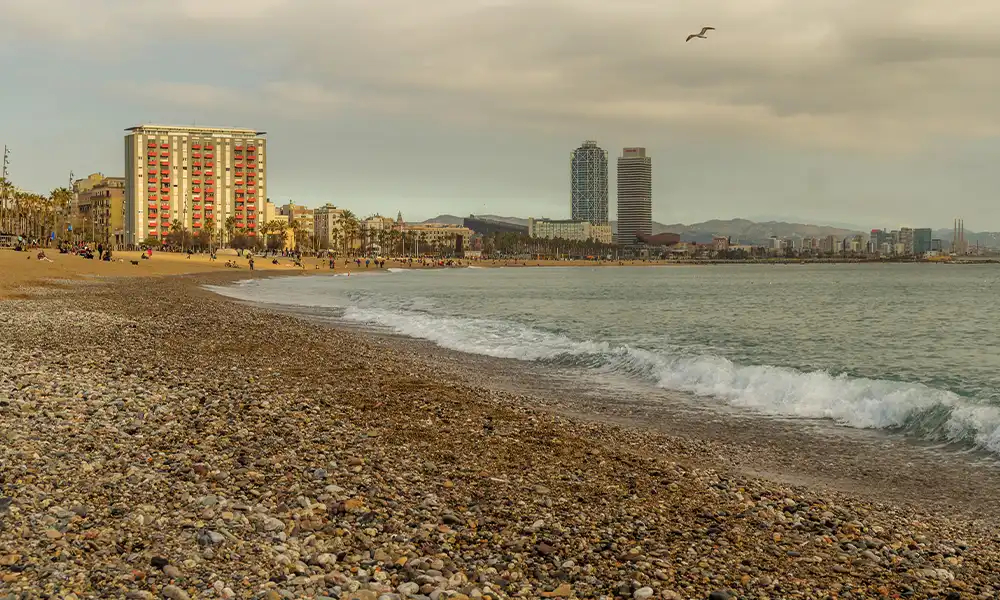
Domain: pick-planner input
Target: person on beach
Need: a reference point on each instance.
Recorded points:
(251, 262)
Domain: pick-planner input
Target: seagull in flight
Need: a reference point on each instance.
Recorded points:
(700, 35)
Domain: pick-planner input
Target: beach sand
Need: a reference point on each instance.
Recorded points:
(162, 441)
(19, 270)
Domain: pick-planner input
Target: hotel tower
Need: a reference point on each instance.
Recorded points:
(194, 175)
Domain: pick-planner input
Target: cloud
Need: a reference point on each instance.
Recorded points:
(846, 74)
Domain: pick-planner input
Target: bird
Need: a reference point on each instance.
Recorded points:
(700, 35)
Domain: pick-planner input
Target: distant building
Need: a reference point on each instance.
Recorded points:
(664, 239)
(489, 227)
(720, 243)
(922, 241)
(100, 210)
(635, 195)
(569, 230)
(296, 213)
(437, 234)
(906, 241)
(270, 212)
(327, 221)
(589, 184)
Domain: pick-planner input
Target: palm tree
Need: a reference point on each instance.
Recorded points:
(61, 198)
(230, 228)
(351, 229)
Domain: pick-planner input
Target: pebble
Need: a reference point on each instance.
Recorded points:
(170, 439)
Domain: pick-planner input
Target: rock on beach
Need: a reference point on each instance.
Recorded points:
(163, 442)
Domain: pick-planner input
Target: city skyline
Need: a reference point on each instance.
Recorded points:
(833, 119)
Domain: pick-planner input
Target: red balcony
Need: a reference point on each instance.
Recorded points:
(209, 146)
(196, 146)
(152, 188)
(151, 153)
(164, 145)
(151, 145)
(196, 163)
(208, 174)
(197, 173)
(196, 225)
(251, 191)
(196, 154)
(164, 163)
(153, 171)
(209, 164)
(164, 154)
(165, 198)
(164, 207)
(209, 155)
(152, 180)
(196, 181)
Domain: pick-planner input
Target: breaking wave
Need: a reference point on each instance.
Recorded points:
(913, 408)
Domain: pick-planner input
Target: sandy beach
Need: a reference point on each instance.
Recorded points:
(162, 441)
(19, 270)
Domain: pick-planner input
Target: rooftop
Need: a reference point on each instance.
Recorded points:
(193, 129)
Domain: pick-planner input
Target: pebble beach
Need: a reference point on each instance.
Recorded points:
(160, 441)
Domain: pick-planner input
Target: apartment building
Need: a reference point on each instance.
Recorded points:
(296, 213)
(328, 227)
(194, 175)
(569, 230)
(100, 211)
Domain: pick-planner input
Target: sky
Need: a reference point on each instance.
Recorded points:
(882, 114)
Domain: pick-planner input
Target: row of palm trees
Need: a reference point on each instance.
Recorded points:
(33, 216)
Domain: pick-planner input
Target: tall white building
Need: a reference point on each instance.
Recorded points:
(635, 195)
(194, 175)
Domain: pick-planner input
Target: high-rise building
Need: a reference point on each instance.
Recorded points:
(194, 175)
(635, 195)
(922, 241)
(589, 184)
(906, 240)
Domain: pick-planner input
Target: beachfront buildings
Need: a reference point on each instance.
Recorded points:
(569, 230)
(589, 184)
(301, 216)
(100, 211)
(635, 196)
(328, 226)
(196, 176)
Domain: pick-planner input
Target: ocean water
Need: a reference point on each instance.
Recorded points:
(906, 348)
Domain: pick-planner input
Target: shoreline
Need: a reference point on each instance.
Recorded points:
(21, 270)
(167, 441)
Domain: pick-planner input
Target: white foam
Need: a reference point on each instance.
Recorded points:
(850, 401)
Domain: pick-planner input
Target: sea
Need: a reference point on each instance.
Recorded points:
(910, 349)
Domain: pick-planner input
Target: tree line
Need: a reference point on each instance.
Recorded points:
(34, 216)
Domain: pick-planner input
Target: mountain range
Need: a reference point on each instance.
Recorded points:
(745, 231)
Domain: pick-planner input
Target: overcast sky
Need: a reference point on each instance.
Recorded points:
(879, 113)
